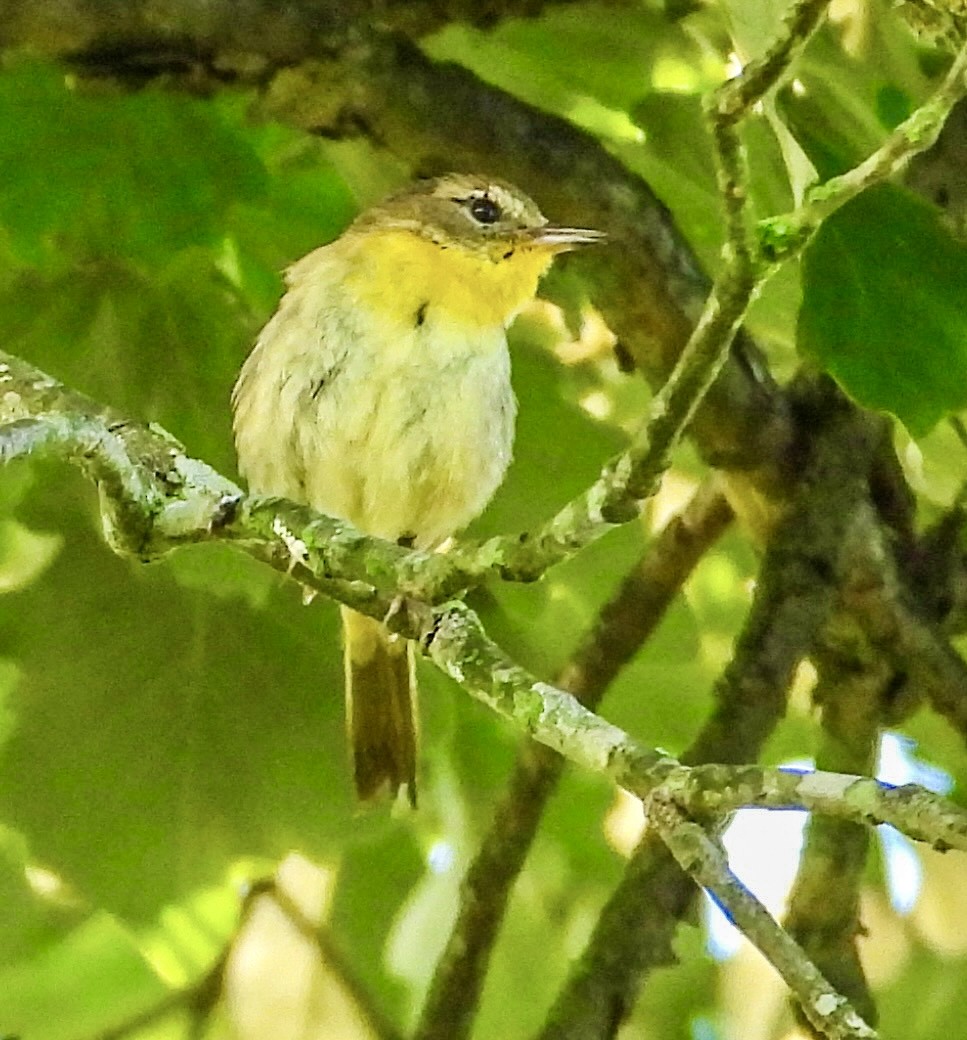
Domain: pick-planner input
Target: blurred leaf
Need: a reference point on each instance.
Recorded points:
(200, 729)
(188, 937)
(140, 187)
(883, 284)
(224, 572)
(98, 975)
(677, 163)
(382, 866)
(940, 745)
(754, 24)
(547, 926)
(546, 60)
(926, 1000)
(23, 554)
(117, 976)
(841, 105)
(835, 138)
(29, 921)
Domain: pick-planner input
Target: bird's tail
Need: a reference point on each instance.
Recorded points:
(380, 708)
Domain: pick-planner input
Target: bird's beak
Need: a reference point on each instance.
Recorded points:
(561, 239)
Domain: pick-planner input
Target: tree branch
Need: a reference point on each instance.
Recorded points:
(623, 626)
(783, 237)
(230, 38)
(824, 906)
(458, 645)
(897, 627)
(454, 639)
(705, 860)
(450, 635)
(795, 592)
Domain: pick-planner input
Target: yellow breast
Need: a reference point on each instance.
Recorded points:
(409, 278)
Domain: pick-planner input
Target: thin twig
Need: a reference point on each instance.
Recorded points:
(784, 237)
(728, 105)
(335, 962)
(199, 999)
(705, 860)
(823, 913)
(178, 1000)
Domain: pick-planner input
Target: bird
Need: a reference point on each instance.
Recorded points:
(380, 393)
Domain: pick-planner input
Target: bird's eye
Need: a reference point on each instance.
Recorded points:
(484, 210)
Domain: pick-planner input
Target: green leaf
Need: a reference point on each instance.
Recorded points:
(36, 910)
(178, 730)
(95, 979)
(840, 106)
(131, 177)
(884, 286)
(926, 1000)
(641, 45)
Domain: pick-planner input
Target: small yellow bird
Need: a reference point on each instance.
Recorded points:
(380, 393)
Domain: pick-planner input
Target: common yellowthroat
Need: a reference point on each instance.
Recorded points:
(380, 393)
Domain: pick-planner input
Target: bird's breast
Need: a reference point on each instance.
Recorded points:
(387, 409)
(398, 273)
(412, 430)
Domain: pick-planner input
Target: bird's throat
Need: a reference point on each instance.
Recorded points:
(412, 280)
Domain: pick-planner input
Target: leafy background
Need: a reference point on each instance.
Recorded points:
(169, 732)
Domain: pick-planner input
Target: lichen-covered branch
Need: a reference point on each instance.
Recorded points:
(156, 498)
(704, 859)
(823, 913)
(183, 491)
(718, 789)
(795, 591)
(622, 627)
(458, 645)
(188, 501)
(783, 237)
